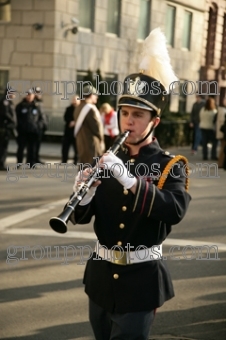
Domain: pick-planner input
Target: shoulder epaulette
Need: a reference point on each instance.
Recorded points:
(169, 166)
(167, 153)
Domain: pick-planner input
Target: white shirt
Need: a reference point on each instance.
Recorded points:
(206, 119)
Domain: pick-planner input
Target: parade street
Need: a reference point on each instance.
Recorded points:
(41, 291)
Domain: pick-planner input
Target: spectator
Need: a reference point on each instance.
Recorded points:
(68, 138)
(88, 127)
(194, 123)
(39, 101)
(111, 131)
(8, 123)
(207, 117)
(223, 130)
(30, 123)
(219, 134)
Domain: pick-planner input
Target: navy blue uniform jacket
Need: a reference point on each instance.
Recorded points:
(147, 220)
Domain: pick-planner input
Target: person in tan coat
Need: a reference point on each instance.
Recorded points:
(88, 128)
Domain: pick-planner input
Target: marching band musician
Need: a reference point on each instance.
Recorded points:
(134, 206)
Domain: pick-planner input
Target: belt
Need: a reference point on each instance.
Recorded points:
(122, 257)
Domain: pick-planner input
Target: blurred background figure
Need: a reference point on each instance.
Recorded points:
(223, 130)
(109, 117)
(68, 138)
(8, 123)
(30, 123)
(207, 126)
(220, 119)
(39, 102)
(194, 123)
(88, 127)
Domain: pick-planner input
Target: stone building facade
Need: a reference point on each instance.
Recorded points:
(213, 62)
(42, 41)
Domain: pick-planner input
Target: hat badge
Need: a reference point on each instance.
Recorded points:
(136, 87)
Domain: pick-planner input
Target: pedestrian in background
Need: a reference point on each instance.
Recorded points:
(68, 138)
(39, 102)
(88, 127)
(8, 123)
(194, 123)
(110, 121)
(221, 111)
(30, 123)
(207, 126)
(223, 130)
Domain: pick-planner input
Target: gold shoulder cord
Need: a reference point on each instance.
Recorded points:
(168, 167)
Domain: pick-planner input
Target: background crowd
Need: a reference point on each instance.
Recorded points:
(208, 126)
(91, 131)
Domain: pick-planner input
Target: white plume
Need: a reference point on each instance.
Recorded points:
(155, 60)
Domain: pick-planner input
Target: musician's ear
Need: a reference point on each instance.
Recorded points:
(156, 121)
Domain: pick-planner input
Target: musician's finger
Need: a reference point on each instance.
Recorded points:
(95, 184)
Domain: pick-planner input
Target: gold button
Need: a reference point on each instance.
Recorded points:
(121, 225)
(132, 160)
(119, 243)
(115, 276)
(124, 208)
(125, 192)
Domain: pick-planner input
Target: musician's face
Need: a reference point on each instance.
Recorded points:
(138, 121)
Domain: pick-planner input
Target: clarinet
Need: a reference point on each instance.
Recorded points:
(59, 223)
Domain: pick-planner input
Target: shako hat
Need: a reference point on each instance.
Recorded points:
(149, 88)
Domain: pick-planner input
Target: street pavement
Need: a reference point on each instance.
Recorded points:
(43, 298)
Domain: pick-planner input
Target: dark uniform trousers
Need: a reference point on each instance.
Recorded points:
(127, 326)
(7, 127)
(68, 141)
(30, 124)
(68, 138)
(29, 141)
(4, 141)
(127, 295)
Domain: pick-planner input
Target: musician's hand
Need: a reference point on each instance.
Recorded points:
(118, 169)
(81, 177)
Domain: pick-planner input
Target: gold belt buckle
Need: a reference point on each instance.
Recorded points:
(118, 258)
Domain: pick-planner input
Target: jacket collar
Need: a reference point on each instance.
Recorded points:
(146, 150)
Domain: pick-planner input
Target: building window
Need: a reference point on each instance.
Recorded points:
(144, 19)
(212, 25)
(86, 13)
(4, 78)
(170, 24)
(83, 78)
(108, 87)
(5, 10)
(186, 39)
(83, 75)
(113, 16)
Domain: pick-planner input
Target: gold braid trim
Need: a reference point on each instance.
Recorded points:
(168, 167)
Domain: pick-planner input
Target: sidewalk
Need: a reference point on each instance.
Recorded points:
(48, 151)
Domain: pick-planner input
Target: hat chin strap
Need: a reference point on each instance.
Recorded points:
(143, 139)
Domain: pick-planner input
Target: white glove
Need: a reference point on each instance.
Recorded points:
(118, 170)
(91, 192)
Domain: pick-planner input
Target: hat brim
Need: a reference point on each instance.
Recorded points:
(126, 100)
